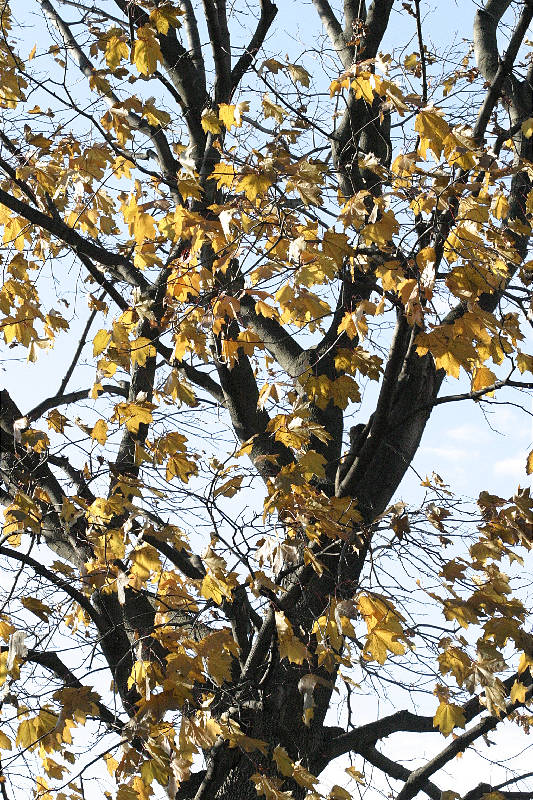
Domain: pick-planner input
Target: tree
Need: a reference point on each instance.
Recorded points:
(256, 238)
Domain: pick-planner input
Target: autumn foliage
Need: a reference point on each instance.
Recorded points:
(266, 273)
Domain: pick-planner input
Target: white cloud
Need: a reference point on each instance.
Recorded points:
(455, 454)
(514, 467)
(467, 433)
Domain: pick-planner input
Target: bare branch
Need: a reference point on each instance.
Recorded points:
(193, 38)
(217, 27)
(340, 741)
(61, 583)
(72, 397)
(168, 163)
(397, 771)
(78, 243)
(77, 354)
(334, 31)
(485, 54)
(52, 662)
(268, 13)
(422, 53)
(418, 777)
(283, 347)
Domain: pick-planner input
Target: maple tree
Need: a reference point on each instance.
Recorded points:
(201, 552)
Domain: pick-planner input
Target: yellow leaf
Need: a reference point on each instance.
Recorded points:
(31, 55)
(141, 224)
(338, 793)
(269, 787)
(433, 129)
(500, 206)
(529, 463)
(289, 645)
(37, 440)
(99, 431)
(312, 465)
(455, 661)
(272, 65)
(518, 692)
(100, 342)
(215, 589)
(254, 184)
(448, 716)
(483, 377)
(355, 775)
(57, 421)
(379, 641)
(210, 122)
(364, 87)
(155, 116)
(298, 74)
(527, 128)
(179, 390)
(41, 789)
(384, 628)
(265, 310)
(111, 763)
(141, 349)
(37, 607)
(228, 117)
(229, 488)
(165, 16)
(145, 560)
(133, 415)
(146, 52)
(283, 761)
(271, 109)
(5, 743)
(116, 49)
(382, 231)
(303, 777)
(179, 466)
(6, 629)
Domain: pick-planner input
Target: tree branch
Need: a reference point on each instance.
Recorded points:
(353, 10)
(418, 777)
(397, 771)
(189, 81)
(334, 31)
(279, 343)
(52, 662)
(71, 397)
(50, 576)
(268, 14)
(17, 465)
(168, 163)
(187, 563)
(69, 236)
(484, 44)
(379, 423)
(341, 742)
(193, 38)
(219, 46)
(377, 21)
